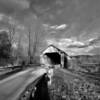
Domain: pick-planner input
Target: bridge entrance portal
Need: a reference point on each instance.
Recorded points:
(54, 57)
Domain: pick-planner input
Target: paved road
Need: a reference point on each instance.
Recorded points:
(11, 87)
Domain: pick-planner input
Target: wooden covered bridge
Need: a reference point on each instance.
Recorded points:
(54, 56)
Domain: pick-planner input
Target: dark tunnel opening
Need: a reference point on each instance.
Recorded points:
(55, 57)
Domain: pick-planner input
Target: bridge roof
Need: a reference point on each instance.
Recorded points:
(52, 48)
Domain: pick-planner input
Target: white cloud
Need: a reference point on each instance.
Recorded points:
(55, 27)
(71, 45)
(63, 26)
(70, 41)
(50, 41)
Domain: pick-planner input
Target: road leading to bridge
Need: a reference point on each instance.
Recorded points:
(11, 87)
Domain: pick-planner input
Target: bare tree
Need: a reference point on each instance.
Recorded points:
(36, 42)
(11, 32)
(33, 28)
(29, 48)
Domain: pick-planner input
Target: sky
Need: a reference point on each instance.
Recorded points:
(71, 25)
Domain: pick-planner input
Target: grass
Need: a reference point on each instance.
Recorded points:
(67, 86)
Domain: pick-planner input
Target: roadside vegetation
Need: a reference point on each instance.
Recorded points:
(73, 89)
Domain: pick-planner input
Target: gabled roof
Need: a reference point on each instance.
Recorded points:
(54, 49)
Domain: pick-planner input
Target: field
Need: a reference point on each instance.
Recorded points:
(70, 86)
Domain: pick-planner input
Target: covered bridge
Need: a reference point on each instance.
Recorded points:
(54, 56)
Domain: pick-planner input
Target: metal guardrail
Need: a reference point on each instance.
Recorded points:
(15, 69)
(7, 74)
(21, 66)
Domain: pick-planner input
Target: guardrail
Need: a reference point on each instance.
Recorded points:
(15, 69)
(21, 66)
(7, 74)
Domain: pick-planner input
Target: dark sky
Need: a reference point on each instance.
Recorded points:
(84, 14)
(82, 17)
